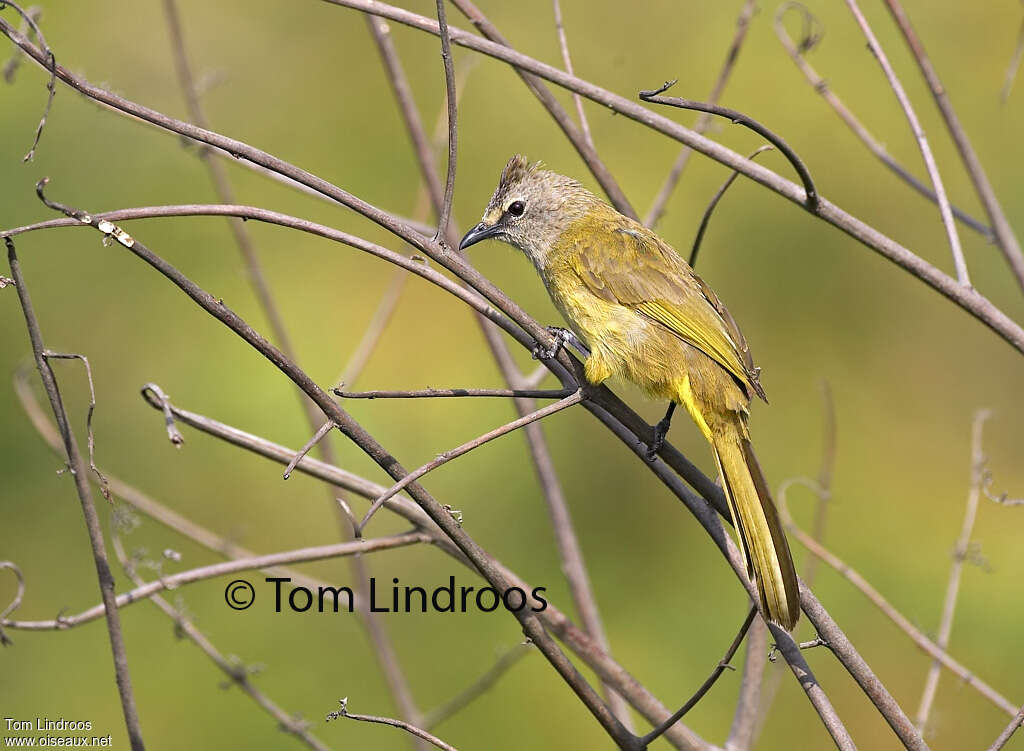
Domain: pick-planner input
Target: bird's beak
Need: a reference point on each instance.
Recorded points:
(479, 232)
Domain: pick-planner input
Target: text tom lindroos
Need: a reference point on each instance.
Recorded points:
(445, 598)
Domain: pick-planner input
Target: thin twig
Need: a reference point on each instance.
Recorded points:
(563, 43)
(1004, 737)
(1013, 67)
(919, 638)
(35, 13)
(400, 724)
(825, 475)
(810, 192)
(744, 721)
(90, 436)
(479, 687)
(317, 437)
(16, 602)
(922, 142)
(50, 64)
(374, 330)
(237, 674)
(695, 249)
(92, 521)
(442, 459)
(453, 129)
(956, 568)
(447, 393)
(407, 106)
(823, 87)
(706, 686)
(704, 119)
(173, 434)
(1006, 239)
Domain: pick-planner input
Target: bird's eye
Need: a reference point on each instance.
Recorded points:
(516, 208)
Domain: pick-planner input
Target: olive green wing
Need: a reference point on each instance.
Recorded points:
(643, 273)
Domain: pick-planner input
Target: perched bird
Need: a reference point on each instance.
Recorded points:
(646, 316)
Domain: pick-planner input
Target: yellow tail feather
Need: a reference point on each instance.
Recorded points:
(764, 545)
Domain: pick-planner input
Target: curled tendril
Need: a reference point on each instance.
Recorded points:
(813, 29)
(16, 602)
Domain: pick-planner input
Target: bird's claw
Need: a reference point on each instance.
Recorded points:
(660, 431)
(562, 338)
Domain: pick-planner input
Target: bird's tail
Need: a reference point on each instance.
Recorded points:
(765, 549)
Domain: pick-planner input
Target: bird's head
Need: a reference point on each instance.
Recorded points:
(530, 209)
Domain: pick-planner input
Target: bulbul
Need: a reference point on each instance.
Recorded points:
(646, 316)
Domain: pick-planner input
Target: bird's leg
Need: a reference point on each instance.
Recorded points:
(563, 337)
(660, 431)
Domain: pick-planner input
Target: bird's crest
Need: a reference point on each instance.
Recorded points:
(516, 170)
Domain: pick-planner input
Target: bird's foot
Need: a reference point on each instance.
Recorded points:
(660, 431)
(562, 338)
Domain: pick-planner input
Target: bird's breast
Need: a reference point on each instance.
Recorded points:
(627, 343)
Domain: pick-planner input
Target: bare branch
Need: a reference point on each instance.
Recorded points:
(443, 228)
(563, 43)
(374, 330)
(1004, 737)
(407, 105)
(706, 686)
(695, 249)
(1014, 66)
(173, 434)
(915, 126)
(92, 521)
(482, 685)
(465, 448)
(739, 118)
(744, 721)
(797, 52)
(33, 13)
(1005, 237)
(956, 569)
(16, 602)
(401, 725)
(317, 437)
(90, 437)
(29, 17)
(654, 214)
(450, 393)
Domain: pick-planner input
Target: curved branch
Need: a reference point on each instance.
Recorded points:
(739, 118)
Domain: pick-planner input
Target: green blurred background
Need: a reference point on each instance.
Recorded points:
(303, 81)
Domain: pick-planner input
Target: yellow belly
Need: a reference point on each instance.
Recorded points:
(625, 343)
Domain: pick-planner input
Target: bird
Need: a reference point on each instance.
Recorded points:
(644, 315)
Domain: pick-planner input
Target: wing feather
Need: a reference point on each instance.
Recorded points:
(650, 277)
